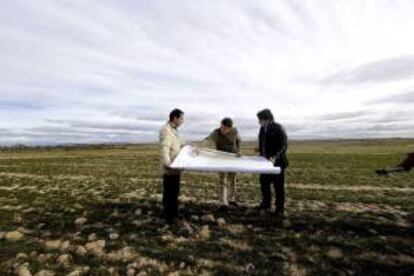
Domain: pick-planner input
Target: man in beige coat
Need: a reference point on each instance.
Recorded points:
(170, 146)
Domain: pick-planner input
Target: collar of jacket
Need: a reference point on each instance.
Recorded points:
(267, 124)
(173, 129)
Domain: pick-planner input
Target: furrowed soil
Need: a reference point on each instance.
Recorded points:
(97, 211)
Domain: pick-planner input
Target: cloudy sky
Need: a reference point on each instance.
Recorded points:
(80, 71)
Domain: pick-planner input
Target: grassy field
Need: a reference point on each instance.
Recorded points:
(97, 212)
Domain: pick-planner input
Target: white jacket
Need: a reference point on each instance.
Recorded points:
(170, 146)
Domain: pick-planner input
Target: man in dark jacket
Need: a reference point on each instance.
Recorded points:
(273, 146)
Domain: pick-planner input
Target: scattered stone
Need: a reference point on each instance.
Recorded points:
(164, 229)
(205, 232)
(33, 254)
(14, 236)
(53, 244)
(70, 210)
(373, 231)
(78, 206)
(156, 197)
(208, 218)
(45, 273)
(2, 235)
(21, 256)
(115, 214)
(335, 253)
(43, 258)
(81, 250)
(285, 250)
(96, 247)
(137, 223)
(182, 265)
(138, 212)
(92, 237)
(114, 236)
(46, 234)
(80, 221)
(235, 229)
(64, 259)
(76, 272)
(29, 210)
(181, 239)
(18, 219)
(78, 239)
(221, 221)
(24, 230)
(403, 223)
(64, 246)
(330, 239)
(314, 249)
(125, 254)
(41, 225)
(113, 271)
(296, 269)
(187, 228)
(250, 269)
(23, 271)
(195, 217)
(287, 223)
(167, 238)
(131, 272)
(312, 260)
(133, 265)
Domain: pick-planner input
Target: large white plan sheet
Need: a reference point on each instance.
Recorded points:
(218, 161)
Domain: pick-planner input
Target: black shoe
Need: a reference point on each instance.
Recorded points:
(170, 221)
(234, 204)
(222, 208)
(280, 214)
(265, 213)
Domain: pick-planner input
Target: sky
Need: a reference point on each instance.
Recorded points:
(111, 71)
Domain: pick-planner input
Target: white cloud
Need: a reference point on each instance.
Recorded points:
(123, 66)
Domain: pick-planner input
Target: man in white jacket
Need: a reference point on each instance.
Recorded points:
(170, 146)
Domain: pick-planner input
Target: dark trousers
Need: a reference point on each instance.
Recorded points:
(278, 181)
(171, 190)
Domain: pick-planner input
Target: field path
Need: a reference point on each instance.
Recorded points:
(310, 186)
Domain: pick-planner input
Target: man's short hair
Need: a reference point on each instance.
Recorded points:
(265, 114)
(176, 113)
(228, 122)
